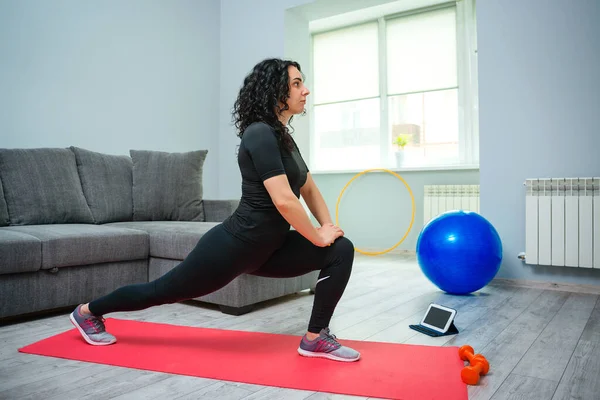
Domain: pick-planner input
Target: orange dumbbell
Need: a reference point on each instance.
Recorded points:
(479, 365)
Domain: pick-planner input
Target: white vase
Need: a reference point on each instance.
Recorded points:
(399, 158)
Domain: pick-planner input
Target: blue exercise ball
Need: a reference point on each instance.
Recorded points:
(459, 251)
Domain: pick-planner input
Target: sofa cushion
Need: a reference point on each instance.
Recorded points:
(167, 186)
(107, 182)
(41, 186)
(3, 210)
(19, 252)
(66, 245)
(219, 210)
(170, 239)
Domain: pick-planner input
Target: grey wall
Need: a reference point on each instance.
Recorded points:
(250, 31)
(539, 91)
(297, 47)
(156, 75)
(111, 76)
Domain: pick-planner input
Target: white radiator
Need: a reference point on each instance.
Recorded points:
(562, 222)
(442, 198)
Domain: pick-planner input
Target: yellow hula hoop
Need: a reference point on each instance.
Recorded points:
(412, 219)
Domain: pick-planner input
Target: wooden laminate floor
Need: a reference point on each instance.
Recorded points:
(541, 344)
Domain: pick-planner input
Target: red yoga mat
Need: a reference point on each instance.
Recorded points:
(385, 370)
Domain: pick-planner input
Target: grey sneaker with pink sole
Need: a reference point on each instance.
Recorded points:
(91, 328)
(327, 346)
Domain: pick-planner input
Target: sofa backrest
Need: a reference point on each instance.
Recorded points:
(3, 210)
(75, 185)
(42, 186)
(168, 186)
(107, 182)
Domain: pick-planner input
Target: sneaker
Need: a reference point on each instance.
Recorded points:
(91, 328)
(327, 346)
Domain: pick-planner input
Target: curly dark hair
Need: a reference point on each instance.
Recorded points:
(264, 88)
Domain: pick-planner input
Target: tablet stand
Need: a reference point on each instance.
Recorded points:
(452, 330)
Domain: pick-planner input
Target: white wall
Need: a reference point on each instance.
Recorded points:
(111, 76)
(539, 91)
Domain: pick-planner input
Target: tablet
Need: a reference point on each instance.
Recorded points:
(438, 318)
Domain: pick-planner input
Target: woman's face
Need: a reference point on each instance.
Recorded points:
(298, 92)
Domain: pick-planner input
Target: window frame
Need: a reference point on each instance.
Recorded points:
(467, 88)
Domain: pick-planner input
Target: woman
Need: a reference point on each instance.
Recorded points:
(256, 239)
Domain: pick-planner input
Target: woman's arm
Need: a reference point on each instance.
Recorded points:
(260, 142)
(315, 202)
(291, 209)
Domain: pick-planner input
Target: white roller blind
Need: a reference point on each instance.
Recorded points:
(421, 52)
(346, 65)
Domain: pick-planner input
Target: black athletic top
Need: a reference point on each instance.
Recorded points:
(260, 157)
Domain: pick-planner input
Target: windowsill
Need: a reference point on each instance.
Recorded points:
(395, 169)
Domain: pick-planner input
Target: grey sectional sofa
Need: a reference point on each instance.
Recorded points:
(76, 224)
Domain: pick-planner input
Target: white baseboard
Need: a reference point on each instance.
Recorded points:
(561, 287)
(393, 252)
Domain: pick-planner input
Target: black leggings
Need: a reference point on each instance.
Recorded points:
(219, 257)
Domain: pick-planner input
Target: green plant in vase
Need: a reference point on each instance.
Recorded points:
(400, 141)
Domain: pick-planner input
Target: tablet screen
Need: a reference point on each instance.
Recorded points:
(437, 317)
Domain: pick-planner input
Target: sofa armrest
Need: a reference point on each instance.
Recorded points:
(218, 210)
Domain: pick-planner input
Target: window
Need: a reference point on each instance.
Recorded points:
(410, 75)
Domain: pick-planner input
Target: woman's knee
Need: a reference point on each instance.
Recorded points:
(345, 243)
(344, 247)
